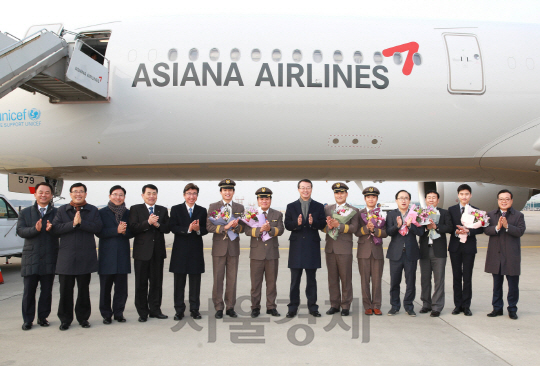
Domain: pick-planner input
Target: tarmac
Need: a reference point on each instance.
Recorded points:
(303, 340)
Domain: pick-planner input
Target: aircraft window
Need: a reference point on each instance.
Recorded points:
(95, 44)
(173, 54)
(214, 54)
(358, 58)
(338, 56)
(235, 54)
(335, 141)
(256, 55)
(297, 55)
(276, 55)
(476, 56)
(317, 56)
(417, 59)
(6, 211)
(193, 54)
(355, 141)
(398, 59)
(377, 57)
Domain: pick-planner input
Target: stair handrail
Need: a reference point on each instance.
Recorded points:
(22, 41)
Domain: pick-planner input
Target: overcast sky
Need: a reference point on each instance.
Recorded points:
(17, 16)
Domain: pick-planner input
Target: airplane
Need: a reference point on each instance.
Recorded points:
(276, 98)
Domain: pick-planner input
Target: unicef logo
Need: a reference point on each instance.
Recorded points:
(34, 114)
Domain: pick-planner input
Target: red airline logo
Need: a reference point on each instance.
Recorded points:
(411, 48)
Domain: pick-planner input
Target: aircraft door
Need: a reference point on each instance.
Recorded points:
(465, 65)
(10, 243)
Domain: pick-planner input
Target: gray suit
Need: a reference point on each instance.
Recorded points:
(433, 260)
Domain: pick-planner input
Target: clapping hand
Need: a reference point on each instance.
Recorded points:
(399, 221)
(300, 220)
(266, 226)
(38, 225)
(371, 227)
(504, 222)
(77, 219)
(122, 226)
(153, 219)
(194, 226)
(431, 225)
(329, 222)
(310, 219)
(49, 226)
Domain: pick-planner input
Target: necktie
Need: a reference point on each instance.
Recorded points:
(151, 209)
(190, 211)
(42, 210)
(462, 210)
(503, 214)
(264, 213)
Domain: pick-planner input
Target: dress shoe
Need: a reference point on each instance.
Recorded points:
(435, 314)
(219, 314)
(43, 322)
(457, 310)
(425, 310)
(255, 312)
(393, 312)
(107, 320)
(411, 313)
(159, 316)
(178, 316)
(120, 319)
(291, 314)
(231, 313)
(467, 312)
(495, 313)
(27, 326)
(85, 324)
(195, 314)
(332, 311)
(344, 312)
(273, 312)
(315, 313)
(64, 326)
(377, 312)
(143, 319)
(512, 315)
(368, 312)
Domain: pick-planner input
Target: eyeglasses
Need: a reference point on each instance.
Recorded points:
(305, 188)
(505, 199)
(115, 195)
(403, 198)
(191, 194)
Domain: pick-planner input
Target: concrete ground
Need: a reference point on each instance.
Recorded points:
(399, 340)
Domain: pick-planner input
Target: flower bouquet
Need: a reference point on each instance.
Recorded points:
(342, 215)
(223, 217)
(413, 213)
(432, 213)
(375, 217)
(254, 219)
(473, 219)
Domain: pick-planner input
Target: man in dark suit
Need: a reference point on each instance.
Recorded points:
(304, 218)
(462, 254)
(38, 262)
(225, 252)
(149, 223)
(339, 252)
(113, 256)
(264, 255)
(76, 223)
(433, 258)
(403, 253)
(188, 224)
(506, 227)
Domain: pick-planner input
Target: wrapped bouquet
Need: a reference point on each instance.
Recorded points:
(375, 217)
(254, 219)
(223, 217)
(343, 216)
(473, 219)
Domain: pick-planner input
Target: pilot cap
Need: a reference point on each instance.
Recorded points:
(371, 191)
(264, 192)
(227, 183)
(339, 187)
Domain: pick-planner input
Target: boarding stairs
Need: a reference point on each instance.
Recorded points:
(45, 63)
